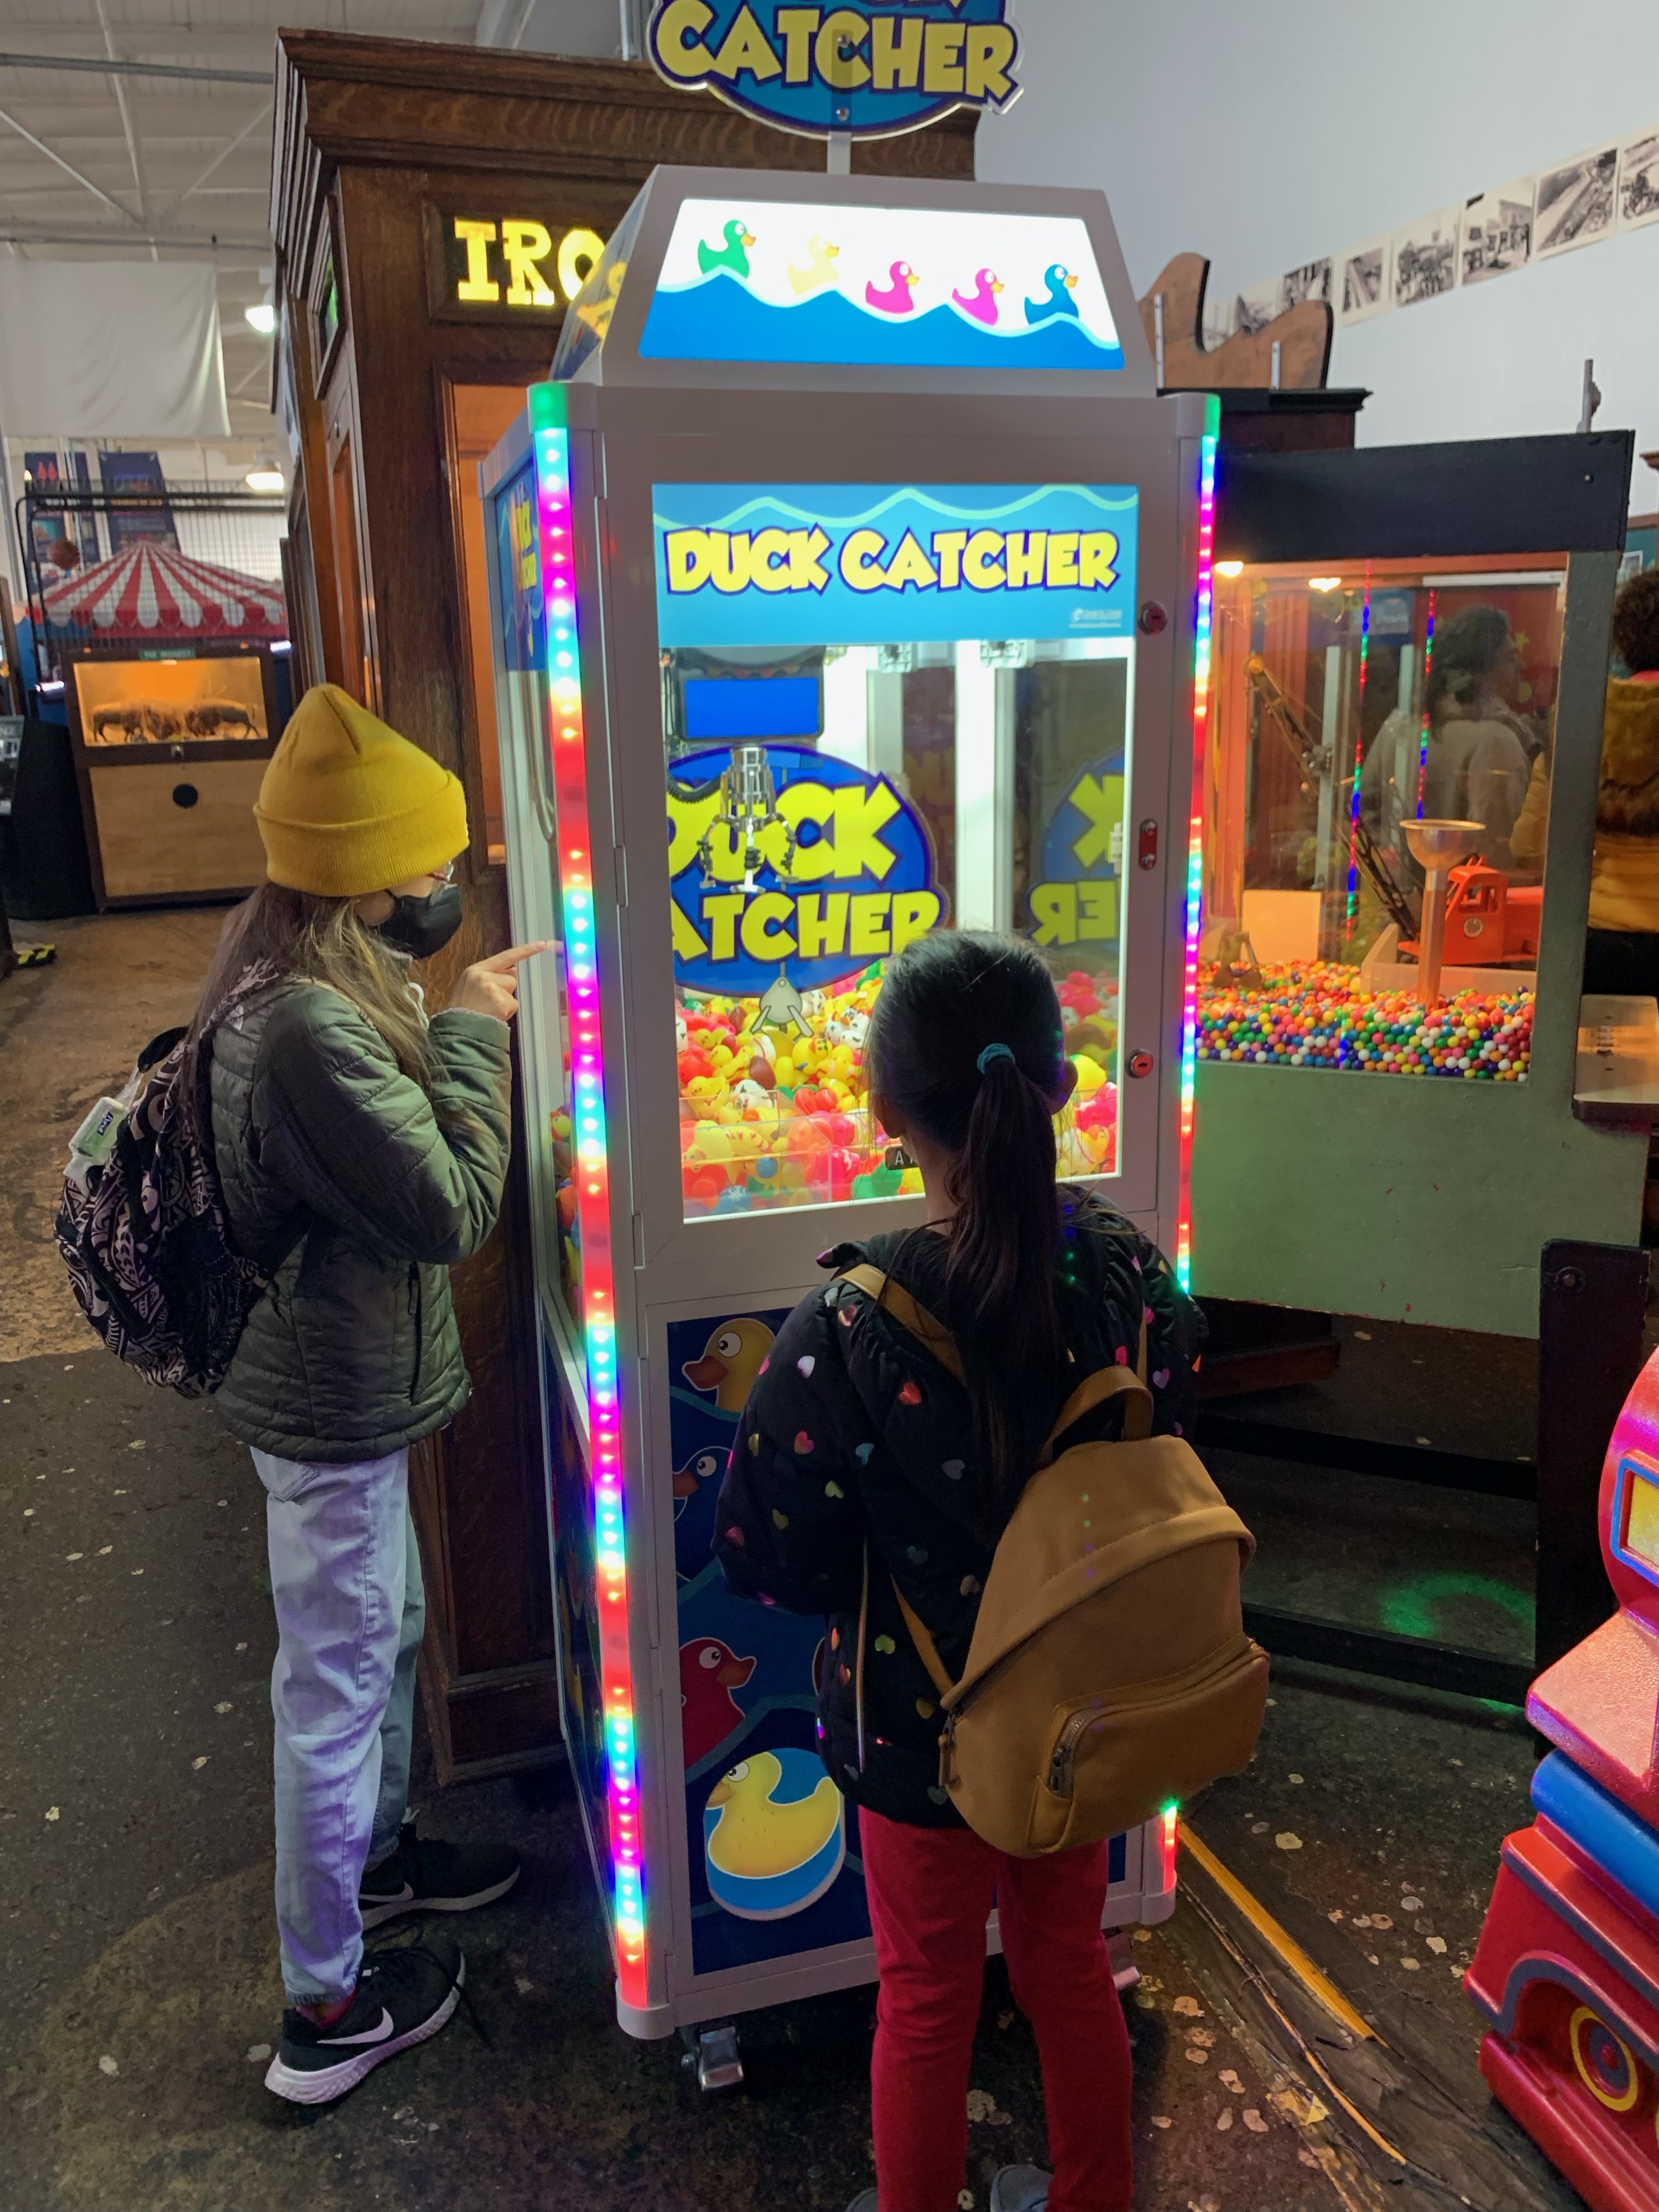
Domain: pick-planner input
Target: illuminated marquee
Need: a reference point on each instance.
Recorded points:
(513, 262)
(868, 70)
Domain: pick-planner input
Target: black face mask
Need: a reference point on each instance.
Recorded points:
(422, 927)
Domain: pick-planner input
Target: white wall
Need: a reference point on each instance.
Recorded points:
(1268, 136)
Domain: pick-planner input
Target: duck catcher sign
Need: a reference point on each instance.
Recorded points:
(869, 71)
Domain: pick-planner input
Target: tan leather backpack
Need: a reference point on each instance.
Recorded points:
(1109, 1674)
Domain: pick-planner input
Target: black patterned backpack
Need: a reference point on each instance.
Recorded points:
(142, 1225)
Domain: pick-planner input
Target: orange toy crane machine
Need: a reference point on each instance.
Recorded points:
(1489, 919)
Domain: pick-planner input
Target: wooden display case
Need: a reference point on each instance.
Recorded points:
(412, 186)
(169, 750)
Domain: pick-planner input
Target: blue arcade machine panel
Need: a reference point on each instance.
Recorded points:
(771, 1843)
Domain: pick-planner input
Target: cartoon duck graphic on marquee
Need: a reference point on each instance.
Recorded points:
(780, 282)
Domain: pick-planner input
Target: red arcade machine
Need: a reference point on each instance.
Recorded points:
(1567, 1968)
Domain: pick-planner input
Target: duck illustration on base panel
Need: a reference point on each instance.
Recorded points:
(820, 268)
(701, 1466)
(983, 304)
(895, 300)
(731, 1360)
(710, 1672)
(734, 255)
(1061, 282)
(775, 1835)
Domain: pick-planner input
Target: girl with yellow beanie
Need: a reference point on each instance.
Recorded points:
(362, 1149)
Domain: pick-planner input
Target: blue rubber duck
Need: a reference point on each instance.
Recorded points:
(1061, 282)
(734, 254)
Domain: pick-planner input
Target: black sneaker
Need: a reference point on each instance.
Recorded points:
(425, 1874)
(403, 1997)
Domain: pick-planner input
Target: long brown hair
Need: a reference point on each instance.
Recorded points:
(297, 935)
(944, 1000)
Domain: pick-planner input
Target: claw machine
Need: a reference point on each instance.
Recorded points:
(849, 583)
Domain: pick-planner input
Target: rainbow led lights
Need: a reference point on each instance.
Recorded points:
(1169, 1829)
(1359, 757)
(1423, 737)
(570, 760)
(1195, 836)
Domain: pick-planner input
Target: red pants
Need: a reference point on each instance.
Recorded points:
(931, 1892)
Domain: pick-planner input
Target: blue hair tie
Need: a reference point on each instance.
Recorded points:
(992, 1052)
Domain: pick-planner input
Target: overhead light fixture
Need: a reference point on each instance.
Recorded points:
(265, 477)
(1229, 567)
(261, 317)
(1324, 583)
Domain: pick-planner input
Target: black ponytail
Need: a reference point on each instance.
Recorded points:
(966, 1043)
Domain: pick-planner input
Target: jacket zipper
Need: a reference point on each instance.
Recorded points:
(1066, 1748)
(414, 1304)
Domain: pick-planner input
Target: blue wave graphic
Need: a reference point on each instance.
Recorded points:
(720, 319)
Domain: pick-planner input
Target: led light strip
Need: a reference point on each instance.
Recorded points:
(569, 758)
(1195, 841)
(1359, 758)
(1423, 737)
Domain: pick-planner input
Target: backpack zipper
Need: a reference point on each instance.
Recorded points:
(1065, 1746)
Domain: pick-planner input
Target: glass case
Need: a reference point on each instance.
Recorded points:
(218, 699)
(851, 761)
(1376, 808)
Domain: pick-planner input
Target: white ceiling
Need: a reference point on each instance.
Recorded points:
(168, 166)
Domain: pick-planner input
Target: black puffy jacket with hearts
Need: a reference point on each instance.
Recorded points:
(852, 1427)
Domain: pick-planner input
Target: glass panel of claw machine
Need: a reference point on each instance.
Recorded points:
(1377, 807)
(854, 765)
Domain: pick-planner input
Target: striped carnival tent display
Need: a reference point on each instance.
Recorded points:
(151, 590)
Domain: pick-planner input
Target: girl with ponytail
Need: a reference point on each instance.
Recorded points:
(861, 1465)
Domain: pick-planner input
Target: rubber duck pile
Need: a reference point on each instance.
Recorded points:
(1317, 1015)
(771, 1116)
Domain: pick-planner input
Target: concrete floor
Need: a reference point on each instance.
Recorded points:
(137, 1949)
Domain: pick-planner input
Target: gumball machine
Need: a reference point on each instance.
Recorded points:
(1566, 1971)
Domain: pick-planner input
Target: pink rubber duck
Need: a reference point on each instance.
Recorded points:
(984, 305)
(895, 300)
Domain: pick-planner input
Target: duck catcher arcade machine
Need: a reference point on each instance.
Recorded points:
(850, 581)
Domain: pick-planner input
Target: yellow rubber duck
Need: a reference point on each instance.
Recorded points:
(819, 270)
(730, 1361)
(756, 1837)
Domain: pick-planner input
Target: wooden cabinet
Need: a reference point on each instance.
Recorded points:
(412, 188)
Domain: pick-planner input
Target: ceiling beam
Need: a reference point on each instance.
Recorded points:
(11, 236)
(114, 67)
(120, 92)
(228, 148)
(69, 170)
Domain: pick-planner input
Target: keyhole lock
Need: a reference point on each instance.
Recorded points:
(1140, 1063)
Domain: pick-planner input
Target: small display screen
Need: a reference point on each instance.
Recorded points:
(1642, 1515)
(889, 709)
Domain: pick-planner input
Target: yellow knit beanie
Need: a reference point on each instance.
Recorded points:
(347, 806)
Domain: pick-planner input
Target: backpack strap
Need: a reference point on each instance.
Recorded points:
(937, 1670)
(895, 1299)
(1094, 1391)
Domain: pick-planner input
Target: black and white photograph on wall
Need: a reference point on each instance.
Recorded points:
(1638, 180)
(1362, 289)
(1496, 232)
(1312, 281)
(1254, 309)
(1574, 202)
(1425, 257)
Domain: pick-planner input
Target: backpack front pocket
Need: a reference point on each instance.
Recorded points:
(1113, 1763)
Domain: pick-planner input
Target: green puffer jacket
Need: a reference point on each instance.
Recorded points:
(337, 1176)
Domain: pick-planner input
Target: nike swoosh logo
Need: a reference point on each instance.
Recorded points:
(387, 1896)
(370, 2035)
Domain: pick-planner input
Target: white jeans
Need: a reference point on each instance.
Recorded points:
(345, 1578)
